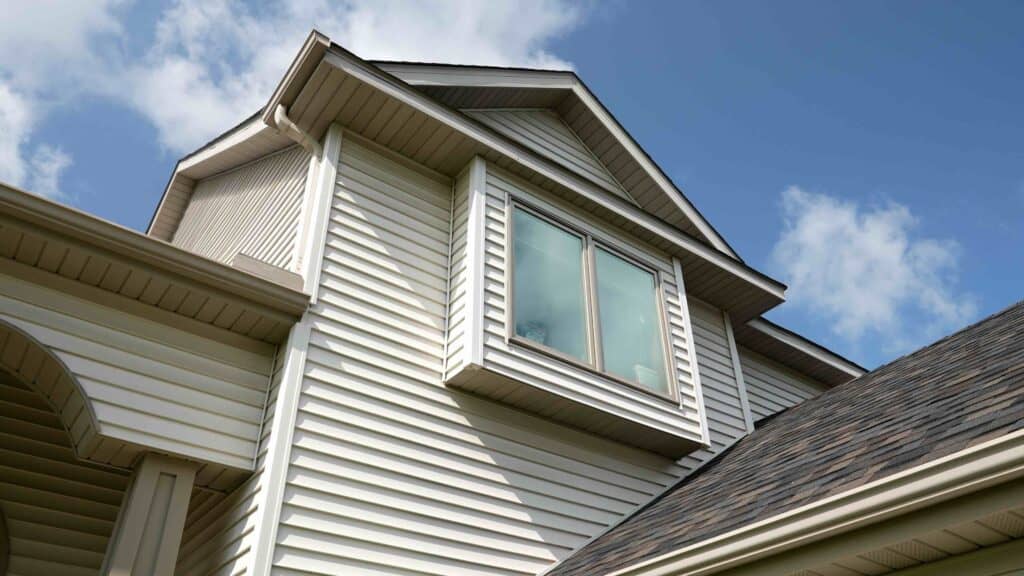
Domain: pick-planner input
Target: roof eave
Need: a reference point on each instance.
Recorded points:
(988, 464)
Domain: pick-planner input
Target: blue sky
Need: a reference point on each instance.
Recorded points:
(868, 154)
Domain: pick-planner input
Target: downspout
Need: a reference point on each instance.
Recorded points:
(289, 129)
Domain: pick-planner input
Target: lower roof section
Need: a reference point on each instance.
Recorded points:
(960, 396)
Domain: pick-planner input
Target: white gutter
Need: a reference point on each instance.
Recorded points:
(289, 129)
(994, 462)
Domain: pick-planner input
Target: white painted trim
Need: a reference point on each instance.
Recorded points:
(254, 127)
(301, 242)
(982, 466)
(275, 467)
(476, 223)
(549, 169)
(320, 213)
(741, 386)
(479, 77)
(691, 350)
(807, 347)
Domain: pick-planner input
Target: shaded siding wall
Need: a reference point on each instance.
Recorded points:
(220, 529)
(59, 510)
(772, 387)
(149, 384)
(544, 131)
(252, 210)
(719, 384)
(390, 471)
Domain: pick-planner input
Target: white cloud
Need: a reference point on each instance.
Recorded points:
(41, 172)
(867, 274)
(214, 62)
(49, 50)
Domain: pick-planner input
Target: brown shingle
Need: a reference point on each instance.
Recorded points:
(958, 392)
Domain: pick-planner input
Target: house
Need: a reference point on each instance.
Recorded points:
(441, 320)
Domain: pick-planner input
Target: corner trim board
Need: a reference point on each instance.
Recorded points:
(741, 386)
(691, 352)
(475, 248)
(319, 217)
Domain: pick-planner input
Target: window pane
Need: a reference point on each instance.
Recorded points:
(630, 327)
(547, 289)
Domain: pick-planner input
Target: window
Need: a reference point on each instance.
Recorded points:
(580, 300)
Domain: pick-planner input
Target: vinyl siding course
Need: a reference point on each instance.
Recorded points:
(149, 384)
(771, 387)
(390, 471)
(252, 210)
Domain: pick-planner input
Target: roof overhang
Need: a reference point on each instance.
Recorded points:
(793, 350)
(328, 85)
(489, 87)
(972, 483)
(74, 251)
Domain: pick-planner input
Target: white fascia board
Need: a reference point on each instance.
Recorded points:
(982, 466)
(251, 128)
(477, 77)
(488, 137)
(652, 170)
(807, 347)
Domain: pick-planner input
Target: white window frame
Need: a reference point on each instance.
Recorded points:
(590, 242)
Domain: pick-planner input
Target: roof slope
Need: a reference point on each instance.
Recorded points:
(962, 390)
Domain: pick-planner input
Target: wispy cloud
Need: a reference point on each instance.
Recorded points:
(867, 274)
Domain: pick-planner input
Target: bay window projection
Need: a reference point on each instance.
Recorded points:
(601, 310)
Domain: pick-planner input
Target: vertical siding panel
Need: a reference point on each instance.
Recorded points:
(391, 471)
(252, 210)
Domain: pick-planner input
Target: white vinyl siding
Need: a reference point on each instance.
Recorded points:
(544, 132)
(60, 511)
(771, 387)
(557, 376)
(719, 385)
(390, 471)
(252, 210)
(455, 353)
(149, 384)
(220, 530)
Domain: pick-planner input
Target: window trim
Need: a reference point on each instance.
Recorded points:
(590, 241)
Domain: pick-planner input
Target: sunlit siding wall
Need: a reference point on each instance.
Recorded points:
(455, 353)
(252, 210)
(390, 471)
(220, 528)
(772, 387)
(726, 422)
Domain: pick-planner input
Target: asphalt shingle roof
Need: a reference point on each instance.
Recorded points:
(962, 390)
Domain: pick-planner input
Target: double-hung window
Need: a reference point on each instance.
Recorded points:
(577, 298)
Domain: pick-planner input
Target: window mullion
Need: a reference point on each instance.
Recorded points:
(594, 324)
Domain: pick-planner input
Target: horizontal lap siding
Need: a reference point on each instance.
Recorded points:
(59, 510)
(771, 388)
(195, 397)
(252, 210)
(390, 471)
(718, 382)
(220, 528)
(455, 352)
(566, 380)
(544, 132)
